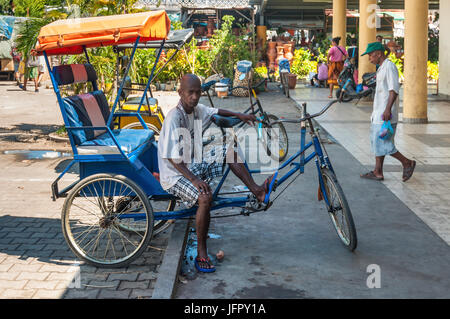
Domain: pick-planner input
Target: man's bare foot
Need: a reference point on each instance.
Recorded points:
(264, 189)
(204, 264)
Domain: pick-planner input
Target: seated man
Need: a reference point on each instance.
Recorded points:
(189, 181)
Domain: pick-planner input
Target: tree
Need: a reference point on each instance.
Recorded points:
(29, 8)
(6, 7)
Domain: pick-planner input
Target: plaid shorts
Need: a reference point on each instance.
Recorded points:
(211, 167)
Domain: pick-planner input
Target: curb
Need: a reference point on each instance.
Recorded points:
(171, 263)
(56, 138)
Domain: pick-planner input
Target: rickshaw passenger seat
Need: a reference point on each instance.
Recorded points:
(92, 109)
(74, 73)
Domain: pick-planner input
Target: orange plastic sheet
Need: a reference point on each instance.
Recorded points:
(70, 35)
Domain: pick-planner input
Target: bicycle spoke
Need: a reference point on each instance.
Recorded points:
(92, 221)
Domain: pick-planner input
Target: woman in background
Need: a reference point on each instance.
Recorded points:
(336, 57)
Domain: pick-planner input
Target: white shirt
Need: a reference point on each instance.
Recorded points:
(170, 143)
(387, 80)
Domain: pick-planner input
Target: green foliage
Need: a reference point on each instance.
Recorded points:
(398, 63)
(226, 49)
(302, 64)
(5, 8)
(432, 68)
(142, 65)
(29, 8)
(28, 33)
(433, 71)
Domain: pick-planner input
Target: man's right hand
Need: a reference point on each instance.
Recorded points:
(202, 186)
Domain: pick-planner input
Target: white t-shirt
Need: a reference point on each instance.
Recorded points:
(170, 143)
(387, 80)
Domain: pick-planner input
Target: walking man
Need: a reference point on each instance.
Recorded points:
(385, 108)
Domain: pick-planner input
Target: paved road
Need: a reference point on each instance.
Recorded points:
(35, 261)
(292, 251)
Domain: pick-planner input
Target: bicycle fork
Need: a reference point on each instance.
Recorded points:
(322, 161)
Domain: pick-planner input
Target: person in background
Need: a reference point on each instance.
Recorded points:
(335, 60)
(353, 53)
(40, 70)
(31, 72)
(321, 76)
(380, 38)
(16, 60)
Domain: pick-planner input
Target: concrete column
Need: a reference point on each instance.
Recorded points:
(416, 56)
(340, 20)
(367, 34)
(444, 49)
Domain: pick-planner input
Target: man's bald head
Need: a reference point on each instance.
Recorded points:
(189, 80)
(190, 91)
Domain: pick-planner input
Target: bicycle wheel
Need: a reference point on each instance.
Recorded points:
(282, 137)
(130, 206)
(90, 220)
(339, 211)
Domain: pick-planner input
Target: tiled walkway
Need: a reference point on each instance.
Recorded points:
(426, 193)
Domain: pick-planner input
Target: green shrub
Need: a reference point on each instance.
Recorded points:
(433, 71)
(302, 64)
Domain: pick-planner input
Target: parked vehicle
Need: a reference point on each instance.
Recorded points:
(348, 88)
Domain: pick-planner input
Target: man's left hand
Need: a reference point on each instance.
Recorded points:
(247, 118)
(387, 115)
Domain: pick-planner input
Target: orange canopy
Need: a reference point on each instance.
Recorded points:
(70, 35)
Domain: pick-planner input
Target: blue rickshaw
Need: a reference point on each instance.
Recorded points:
(115, 208)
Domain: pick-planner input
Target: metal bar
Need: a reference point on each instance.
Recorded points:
(94, 83)
(243, 15)
(162, 68)
(144, 125)
(119, 93)
(219, 186)
(217, 204)
(286, 163)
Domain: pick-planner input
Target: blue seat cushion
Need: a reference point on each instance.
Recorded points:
(129, 140)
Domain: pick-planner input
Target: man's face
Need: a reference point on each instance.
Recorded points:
(190, 93)
(374, 57)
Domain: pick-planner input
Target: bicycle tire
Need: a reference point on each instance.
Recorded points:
(283, 151)
(347, 233)
(84, 233)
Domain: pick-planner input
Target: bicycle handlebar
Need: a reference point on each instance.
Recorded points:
(308, 116)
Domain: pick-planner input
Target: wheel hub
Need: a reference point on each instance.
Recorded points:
(106, 221)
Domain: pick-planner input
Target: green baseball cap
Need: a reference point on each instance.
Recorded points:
(374, 46)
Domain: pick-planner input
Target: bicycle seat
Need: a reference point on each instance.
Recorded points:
(225, 121)
(206, 86)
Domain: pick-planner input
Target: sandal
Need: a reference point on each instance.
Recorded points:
(207, 261)
(372, 176)
(408, 171)
(269, 188)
